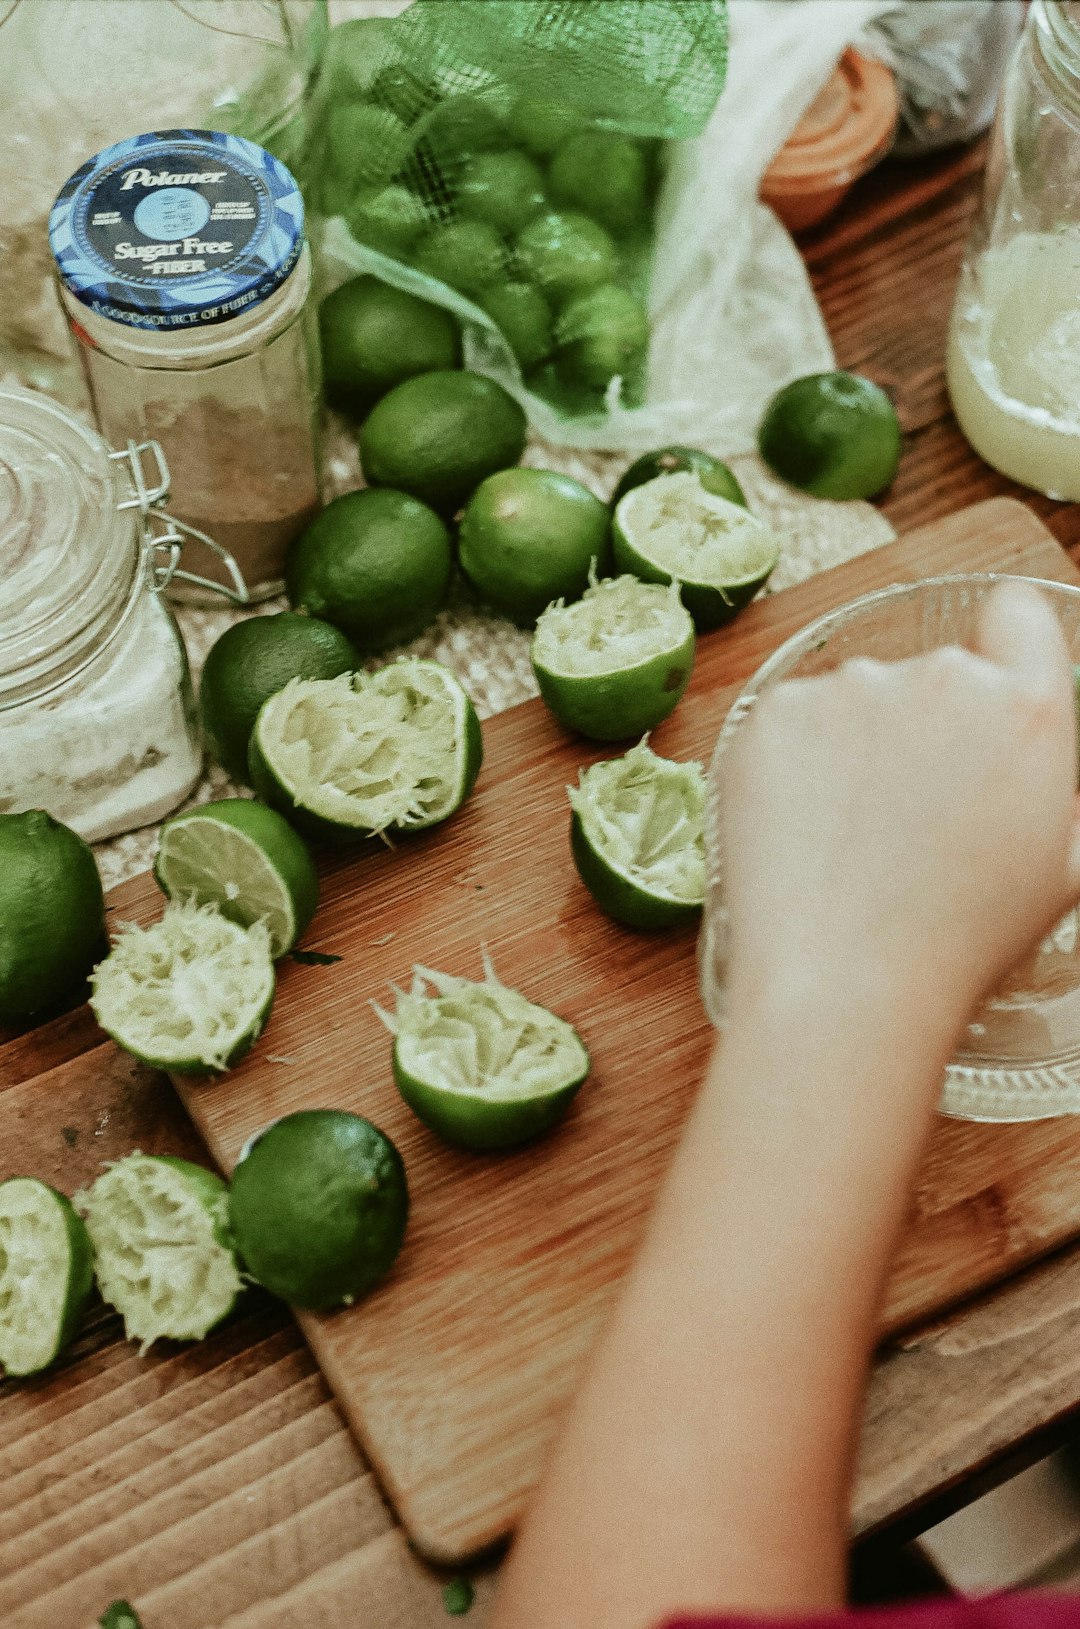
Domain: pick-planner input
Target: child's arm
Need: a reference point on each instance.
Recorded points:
(896, 837)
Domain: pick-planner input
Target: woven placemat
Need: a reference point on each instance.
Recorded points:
(489, 654)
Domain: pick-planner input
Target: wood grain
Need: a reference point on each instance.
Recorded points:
(454, 1373)
(948, 1403)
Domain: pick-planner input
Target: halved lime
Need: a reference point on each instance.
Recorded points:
(245, 859)
(190, 993)
(713, 473)
(480, 1064)
(673, 530)
(45, 1274)
(368, 754)
(833, 434)
(319, 1203)
(163, 1253)
(638, 837)
(616, 662)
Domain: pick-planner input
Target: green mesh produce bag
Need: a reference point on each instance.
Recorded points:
(503, 158)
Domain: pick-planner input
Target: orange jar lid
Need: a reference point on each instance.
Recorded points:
(848, 126)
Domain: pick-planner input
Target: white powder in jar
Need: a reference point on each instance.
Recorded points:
(115, 747)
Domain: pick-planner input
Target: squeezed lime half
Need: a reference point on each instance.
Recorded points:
(190, 994)
(163, 1253)
(638, 837)
(481, 1065)
(672, 529)
(45, 1274)
(368, 754)
(615, 663)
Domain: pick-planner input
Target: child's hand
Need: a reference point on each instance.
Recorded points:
(903, 832)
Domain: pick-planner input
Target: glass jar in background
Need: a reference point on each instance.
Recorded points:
(97, 717)
(185, 276)
(1013, 363)
(79, 75)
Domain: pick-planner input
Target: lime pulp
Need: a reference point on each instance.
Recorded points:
(478, 1063)
(637, 836)
(45, 1274)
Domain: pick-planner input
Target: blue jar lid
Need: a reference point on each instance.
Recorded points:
(177, 229)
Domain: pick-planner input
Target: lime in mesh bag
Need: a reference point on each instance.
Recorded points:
(503, 158)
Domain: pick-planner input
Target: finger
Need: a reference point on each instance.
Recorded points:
(1019, 630)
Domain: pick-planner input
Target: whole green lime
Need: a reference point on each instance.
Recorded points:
(565, 253)
(833, 434)
(603, 175)
(713, 473)
(530, 536)
(251, 662)
(402, 90)
(539, 126)
(524, 316)
(600, 333)
(52, 913)
(505, 190)
(365, 145)
(467, 255)
(318, 1206)
(375, 563)
(354, 50)
(374, 336)
(437, 436)
(390, 219)
(464, 124)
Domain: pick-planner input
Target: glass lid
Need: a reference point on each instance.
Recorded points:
(69, 558)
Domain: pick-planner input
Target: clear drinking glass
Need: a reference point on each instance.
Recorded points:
(1020, 1056)
(1013, 362)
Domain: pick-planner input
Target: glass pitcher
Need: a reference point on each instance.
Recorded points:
(1013, 363)
(79, 75)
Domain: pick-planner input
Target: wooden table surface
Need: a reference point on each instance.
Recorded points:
(275, 1519)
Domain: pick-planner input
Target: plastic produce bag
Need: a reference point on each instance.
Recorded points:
(503, 158)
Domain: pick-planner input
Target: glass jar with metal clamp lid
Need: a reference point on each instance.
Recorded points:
(97, 717)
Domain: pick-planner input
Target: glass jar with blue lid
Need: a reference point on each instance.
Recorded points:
(185, 275)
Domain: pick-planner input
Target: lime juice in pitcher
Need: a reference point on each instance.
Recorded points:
(1013, 363)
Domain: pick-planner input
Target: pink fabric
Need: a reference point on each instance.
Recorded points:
(997, 1612)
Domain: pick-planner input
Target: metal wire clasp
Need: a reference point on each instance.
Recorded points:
(165, 545)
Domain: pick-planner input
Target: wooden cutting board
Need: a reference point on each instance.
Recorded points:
(454, 1373)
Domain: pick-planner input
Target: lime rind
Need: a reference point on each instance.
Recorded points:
(672, 530)
(213, 855)
(478, 1062)
(163, 1255)
(190, 993)
(616, 662)
(638, 837)
(45, 1274)
(368, 754)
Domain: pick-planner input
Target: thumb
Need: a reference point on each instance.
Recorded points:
(1019, 630)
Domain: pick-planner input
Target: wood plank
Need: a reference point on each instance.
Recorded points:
(453, 1373)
